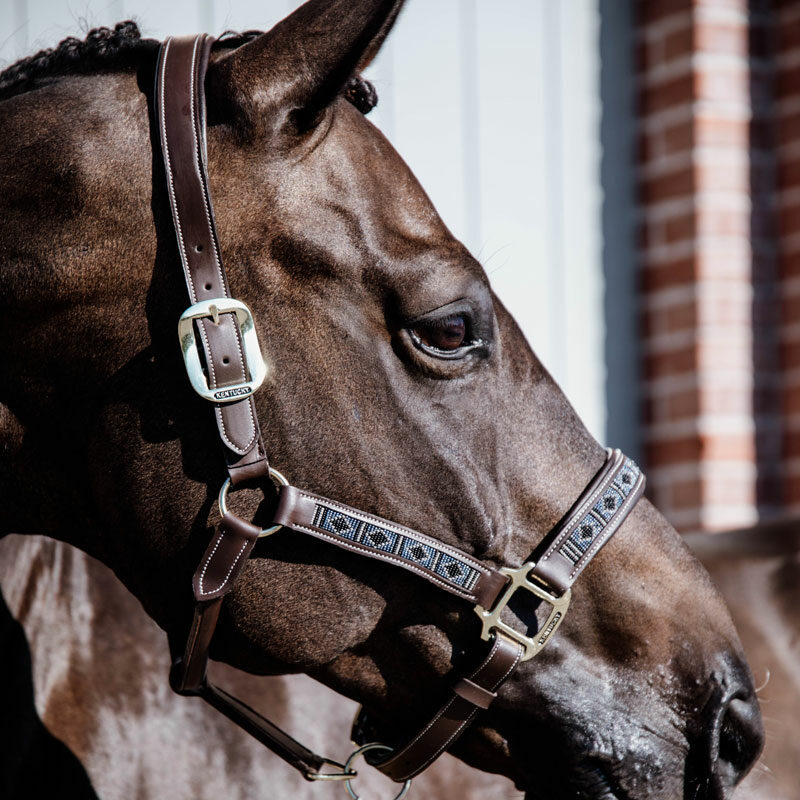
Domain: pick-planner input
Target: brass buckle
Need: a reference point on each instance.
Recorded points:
(519, 580)
(251, 352)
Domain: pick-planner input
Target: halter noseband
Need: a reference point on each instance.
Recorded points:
(224, 328)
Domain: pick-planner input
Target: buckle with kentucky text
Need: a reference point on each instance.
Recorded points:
(251, 352)
(519, 580)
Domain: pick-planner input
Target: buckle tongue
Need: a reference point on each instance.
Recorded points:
(519, 580)
(251, 352)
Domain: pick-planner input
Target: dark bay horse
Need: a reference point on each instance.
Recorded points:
(93, 700)
(397, 383)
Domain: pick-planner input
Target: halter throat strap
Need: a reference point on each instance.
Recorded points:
(219, 343)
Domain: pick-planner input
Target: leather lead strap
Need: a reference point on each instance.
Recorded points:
(457, 713)
(180, 110)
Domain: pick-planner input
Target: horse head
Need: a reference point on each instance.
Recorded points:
(396, 383)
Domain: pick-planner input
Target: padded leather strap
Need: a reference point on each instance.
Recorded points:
(593, 519)
(181, 118)
(446, 567)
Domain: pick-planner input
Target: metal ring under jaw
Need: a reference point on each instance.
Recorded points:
(346, 773)
(519, 580)
(348, 767)
(277, 479)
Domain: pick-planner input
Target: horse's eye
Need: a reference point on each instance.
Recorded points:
(447, 334)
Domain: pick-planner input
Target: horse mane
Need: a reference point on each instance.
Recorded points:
(123, 47)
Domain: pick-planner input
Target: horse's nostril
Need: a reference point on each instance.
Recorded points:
(741, 738)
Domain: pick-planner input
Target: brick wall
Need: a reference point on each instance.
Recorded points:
(787, 112)
(707, 261)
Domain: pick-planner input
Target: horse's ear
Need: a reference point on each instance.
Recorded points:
(294, 71)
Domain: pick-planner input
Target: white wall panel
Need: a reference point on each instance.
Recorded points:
(495, 106)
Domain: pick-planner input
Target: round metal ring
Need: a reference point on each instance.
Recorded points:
(348, 767)
(276, 478)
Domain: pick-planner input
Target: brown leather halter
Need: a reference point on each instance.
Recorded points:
(228, 372)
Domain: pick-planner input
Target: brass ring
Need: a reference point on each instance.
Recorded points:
(348, 767)
(276, 478)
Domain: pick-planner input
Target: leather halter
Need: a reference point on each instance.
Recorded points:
(224, 330)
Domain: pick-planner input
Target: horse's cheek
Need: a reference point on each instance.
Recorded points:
(318, 614)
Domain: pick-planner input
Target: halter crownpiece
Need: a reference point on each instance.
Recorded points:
(224, 330)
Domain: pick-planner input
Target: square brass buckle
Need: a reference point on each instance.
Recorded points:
(251, 352)
(519, 580)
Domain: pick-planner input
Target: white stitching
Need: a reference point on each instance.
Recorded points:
(197, 144)
(447, 705)
(170, 179)
(238, 448)
(208, 561)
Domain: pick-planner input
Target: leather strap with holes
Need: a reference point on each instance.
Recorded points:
(180, 110)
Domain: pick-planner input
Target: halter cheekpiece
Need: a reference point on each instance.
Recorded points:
(227, 373)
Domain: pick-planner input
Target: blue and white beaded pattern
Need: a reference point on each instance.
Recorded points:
(601, 513)
(375, 537)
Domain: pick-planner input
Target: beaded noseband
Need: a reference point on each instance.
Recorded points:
(220, 346)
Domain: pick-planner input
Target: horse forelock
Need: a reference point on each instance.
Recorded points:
(122, 47)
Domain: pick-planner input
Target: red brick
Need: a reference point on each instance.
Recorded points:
(720, 37)
(678, 229)
(791, 491)
(668, 186)
(664, 452)
(669, 94)
(723, 222)
(791, 444)
(730, 447)
(678, 43)
(787, 34)
(672, 319)
(790, 354)
(648, 11)
(789, 173)
(682, 405)
(789, 264)
(790, 308)
(722, 178)
(720, 132)
(677, 273)
(678, 138)
(790, 402)
(787, 82)
(722, 399)
(789, 128)
(671, 363)
(686, 494)
(727, 84)
(789, 219)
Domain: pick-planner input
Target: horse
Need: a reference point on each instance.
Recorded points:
(50, 586)
(396, 383)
